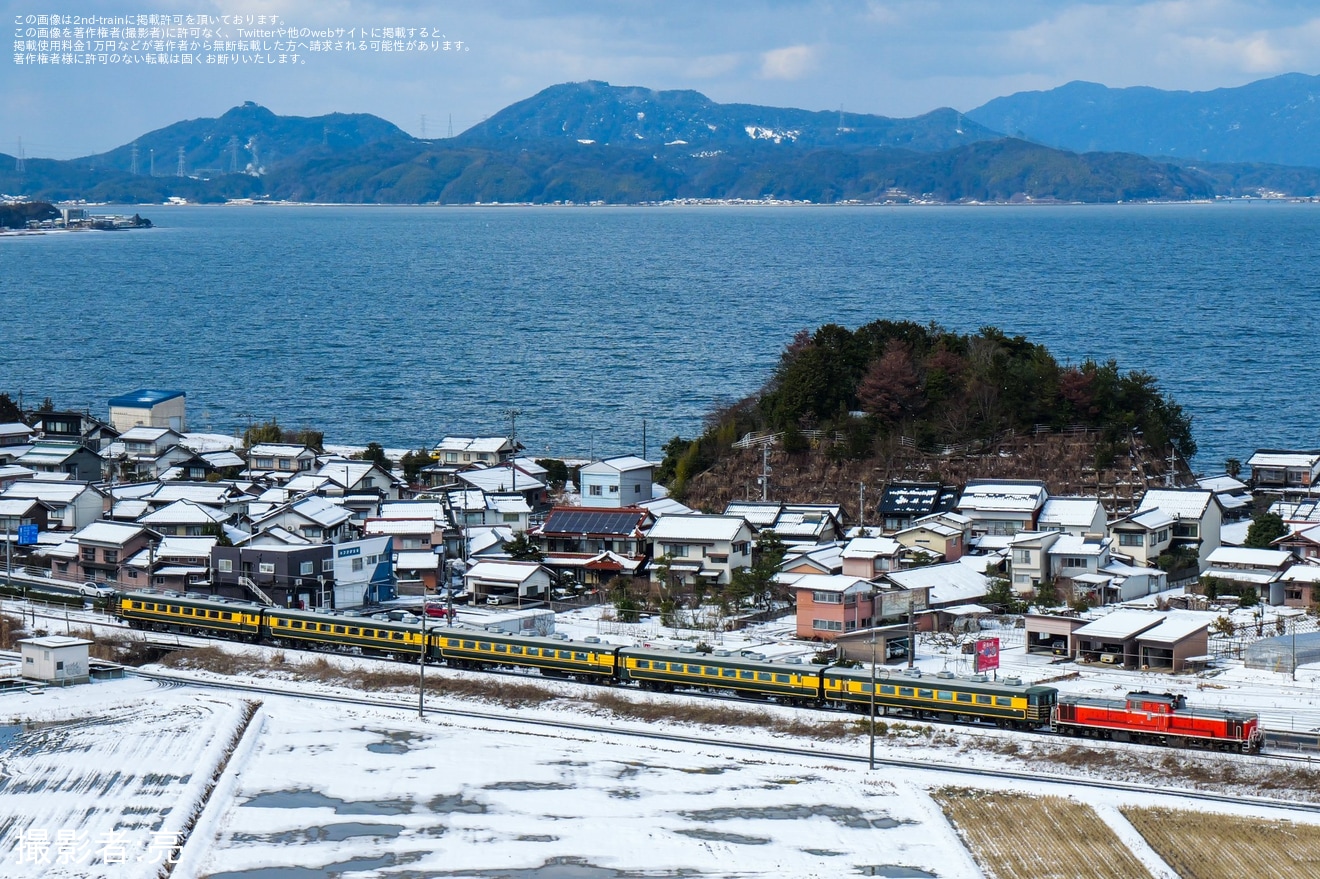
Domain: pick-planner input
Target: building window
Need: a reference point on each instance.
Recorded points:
(614, 489)
(826, 598)
(111, 556)
(357, 564)
(1021, 556)
(1188, 530)
(451, 457)
(677, 550)
(1073, 562)
(266, 568)
(510, 517)
(637, 489)
(827, 625)
(225, 566)
(286, 464)
(89, 554)
(594, 490)
(327, 565)
(1126, 539)
(305, 568)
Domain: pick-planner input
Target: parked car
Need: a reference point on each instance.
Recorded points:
(499, 599)
(95, 590)
(438, 610)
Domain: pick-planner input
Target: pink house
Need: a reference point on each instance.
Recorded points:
(830, 605)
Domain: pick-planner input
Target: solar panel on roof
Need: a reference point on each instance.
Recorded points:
(589, 522)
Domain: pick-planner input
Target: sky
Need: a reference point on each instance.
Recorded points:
(889, 57)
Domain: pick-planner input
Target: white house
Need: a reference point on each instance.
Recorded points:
(1002, 507)
(73, 505)
(1197, 517)
(1142, 537)
(616, 482)
(703, 547)
(507, 582)
(1074, 515)
(280, 460)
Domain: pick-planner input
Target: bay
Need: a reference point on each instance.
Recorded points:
(402, 324)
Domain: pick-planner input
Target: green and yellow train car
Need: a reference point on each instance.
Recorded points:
(657, 669)
(314, 629)
(465, 648)
(943, 698)
(178, 613)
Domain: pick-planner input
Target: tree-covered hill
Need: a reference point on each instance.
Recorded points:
(864, 388)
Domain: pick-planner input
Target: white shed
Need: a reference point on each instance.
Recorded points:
(55, 659)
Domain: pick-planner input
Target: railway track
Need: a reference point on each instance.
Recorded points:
(929, 766)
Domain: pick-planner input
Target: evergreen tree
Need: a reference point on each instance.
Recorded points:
(1265, 529)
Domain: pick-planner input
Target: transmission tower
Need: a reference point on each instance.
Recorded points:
(20, 164)
(451, 124)
(180, 171)
(134, 152)
(151, 153)
(233, 154)
(256, 160)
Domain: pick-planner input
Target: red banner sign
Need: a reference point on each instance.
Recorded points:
(987, 654)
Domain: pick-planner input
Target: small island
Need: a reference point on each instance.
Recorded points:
(40, 216)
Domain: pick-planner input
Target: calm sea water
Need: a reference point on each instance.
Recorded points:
(403, 324)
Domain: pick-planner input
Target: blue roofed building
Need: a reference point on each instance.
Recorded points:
(149, 407)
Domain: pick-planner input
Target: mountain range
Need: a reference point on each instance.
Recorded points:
(585, 142)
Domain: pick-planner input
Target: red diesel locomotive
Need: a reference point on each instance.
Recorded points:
(1158, 719)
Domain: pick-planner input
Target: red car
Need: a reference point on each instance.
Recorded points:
(440, 611)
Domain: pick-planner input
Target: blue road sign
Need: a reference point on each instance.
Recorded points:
(27, 535)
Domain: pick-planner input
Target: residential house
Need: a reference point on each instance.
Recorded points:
(1298, 587)
(146, 452)
(149, 407)
(829, 605)
(279, 460)
(184, 518)
(454, 453)
(1142, 537)
(59, 456)
(17, 512)
(944, 586)
(1002, 508)
(505, 479)
(902, 503)
(103, 549)
(289, 574)
(1197, 517)
(1072, 515)
(792, 523)
(699, 547)
(1304, 543)
(314, 518)
(354, 479)
(1242, 570)
(1233, 494)
(616, 482)
(594, 544)
(15, 433)
(409, 534)
(869, 557)
(1284, 470)
(72, 505)
(11, 473)
(823, 558)
(507, 582)
(182, 564)
(75, 427)
(942, 534)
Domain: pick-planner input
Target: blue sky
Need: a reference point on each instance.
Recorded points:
(897, 58)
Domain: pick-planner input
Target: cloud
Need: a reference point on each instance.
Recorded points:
(790, 62)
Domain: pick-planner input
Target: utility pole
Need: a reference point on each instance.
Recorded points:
(513, 446)
(421, 668)
(861, 504)
(765, 471)
(643, 439)
(912, 635)
(872, 763)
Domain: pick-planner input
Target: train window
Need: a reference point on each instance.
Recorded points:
(339, 630)
(712, 671)
(643, 663)
(501, 648)
(866, 688)
(1003, 701)
(781, 679)
(580, 657)
(763, 675)
(353, 631)
(982, 700)
(945, 696)
(226, 616)
(694, 669)
(397, 636)
(887, 691)
(215, 614)
(565, 654)
(964, 697)
(174, 608)
(925, 694)
(187, 611)
(325, 627)
(746, 675)
(469, 645)
(729, 672)
(905, 691)
(514, 648)
(297, 624)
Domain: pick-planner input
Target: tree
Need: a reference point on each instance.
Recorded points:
(414, 462)
(374, 453)
(1232, 466)
(556, 472)
(1047, 594)
(891, 387)
(522, 549)
(1000, 595)
(9, 411)
(265, 432)
(1264, 530)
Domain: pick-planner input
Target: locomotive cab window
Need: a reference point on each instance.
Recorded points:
(1003, 701)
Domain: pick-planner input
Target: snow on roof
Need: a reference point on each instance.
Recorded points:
(1174, 627)
(1253, 558)
(1302, 574)
(222, 458)
(949, 582)
(871, 547)
(1186, 503)
(142, 434)
(1260, 578)
(1074, 512)
(17, 506)
(108, 532)
(1119, 625)
(131, 509)
(825, 555)
(399, 526)
(1299, 511)
(185, 547)
(211, 442)
(840, 583)
(15, 428)
(416, 560)
(412, 510)
(697, 528)
(665, 506)
(473, 444)
(512, 504)
(756, 513)
(1151, 520)
(279, 450)
(501, 571)
(1284, 458)
(1072, 544)
(183, 512)
(621, 464)
(501, 478)
(205, 493)
(933, 527)
(1223, 484)
(992, 496)
(529, 466)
